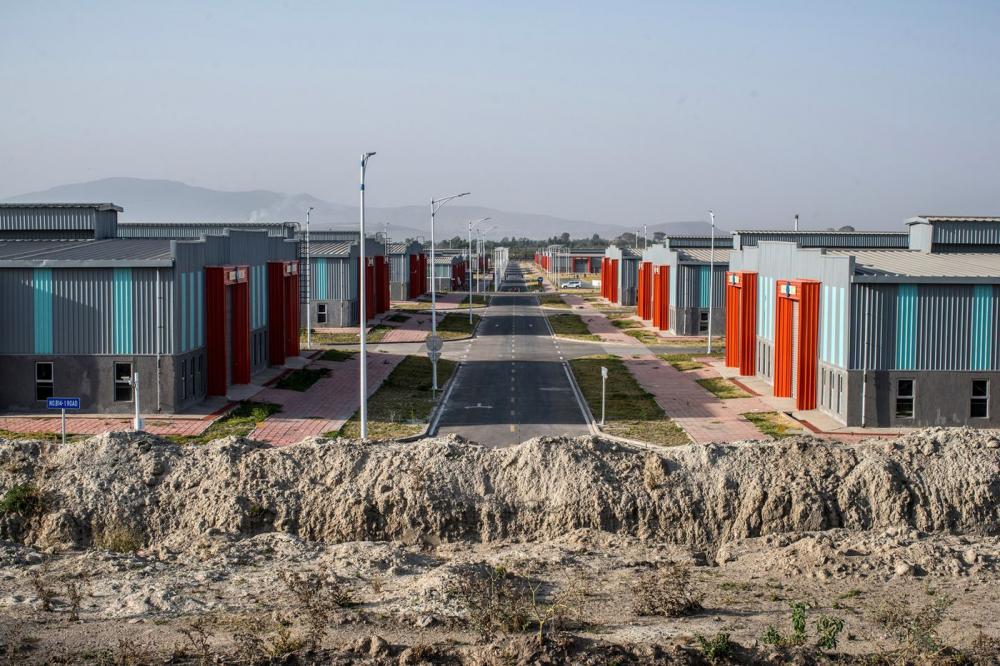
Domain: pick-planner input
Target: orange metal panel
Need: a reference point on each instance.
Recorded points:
(748, 324)
(733, 327)
(806, 292)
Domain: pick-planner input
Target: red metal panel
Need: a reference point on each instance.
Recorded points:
(614, 281)
(782, 344)
(215, 329)
(276, 314)
(291, 315)
(240, 295)
(732, 321)
(661, 298)
(381, 285)
(647, 292)
(808, 344)
(748, 324)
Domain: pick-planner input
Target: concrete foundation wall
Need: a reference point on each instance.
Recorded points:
(338, 314)
(941, 399)
(399, 291)
(686, 321)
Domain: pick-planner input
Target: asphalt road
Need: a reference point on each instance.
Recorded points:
(513, 383)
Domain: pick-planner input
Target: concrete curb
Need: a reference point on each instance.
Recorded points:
(432, 423)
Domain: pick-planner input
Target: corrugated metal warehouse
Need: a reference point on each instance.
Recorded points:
(408, 267)
(560, 259)
(84, 309)
(335, 277)
(884, 337)
(449, 271)
(620, 274)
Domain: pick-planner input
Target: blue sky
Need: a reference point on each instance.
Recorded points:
(857, 113)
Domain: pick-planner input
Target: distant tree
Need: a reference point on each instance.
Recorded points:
(596, 238)
(659, 236)
(846, 228)
(564, 238)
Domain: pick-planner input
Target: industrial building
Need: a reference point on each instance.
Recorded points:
(82, 309)
(334, 277)
(620, 274)
(408, 271)
(560, 259)
(449, 271)
(892, 337)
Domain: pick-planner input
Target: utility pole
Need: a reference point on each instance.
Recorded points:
(645, 238)
(796, 221)
(435, 205)
(362, 297)
(470, 265)
(711, 281)
(309, 321)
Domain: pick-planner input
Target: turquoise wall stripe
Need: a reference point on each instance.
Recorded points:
(122, 311)
(322, 278)
(201, 308)
(42, 283)
(263, 295)
(906, 322)
(704, 285)
(826, 326)
(184, 312)
(253, 297)
(983, 328)
(842, 326)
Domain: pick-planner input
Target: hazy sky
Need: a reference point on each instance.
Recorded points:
(623, 112)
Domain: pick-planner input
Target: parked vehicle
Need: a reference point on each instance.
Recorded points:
(572, 284)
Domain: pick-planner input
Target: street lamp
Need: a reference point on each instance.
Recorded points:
(435, 205)
(471, 222)
(362, 297)
(711, 280)
(309, 320)
(481, 251)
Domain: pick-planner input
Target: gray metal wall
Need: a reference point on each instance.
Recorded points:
(80, 222)
(966, 233)
(196, 230)
(941, 398)
(860, 239)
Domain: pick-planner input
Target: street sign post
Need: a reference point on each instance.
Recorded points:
(604, 392)
(434, 346)
(62, 404)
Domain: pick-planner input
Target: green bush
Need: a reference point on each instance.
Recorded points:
(22, 499)
(715, 648)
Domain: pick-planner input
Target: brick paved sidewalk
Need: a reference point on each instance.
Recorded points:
(95, 426)
(414, 329)
(704, 417)
(326, 405)
(597, 323)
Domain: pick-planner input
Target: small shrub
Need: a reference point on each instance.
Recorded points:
(772, 636)
(668, 591)
(75, 591)
(198, 633)
(317, 597)
(22, 499)
(118, 538)
(718, 647)
(915, 630)
(798, 636)
(43, 590)
(495, 601)
(828, 627)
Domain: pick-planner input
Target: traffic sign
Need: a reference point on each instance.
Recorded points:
(433, 355)
(434, 343)
(63, 403)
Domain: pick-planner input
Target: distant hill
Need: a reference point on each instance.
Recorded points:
(171, 201)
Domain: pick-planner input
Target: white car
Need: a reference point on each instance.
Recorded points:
(572, 284)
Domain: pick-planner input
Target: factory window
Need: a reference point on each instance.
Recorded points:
(904, 398)
(43, 380)
(321, 313)
(123, 382)
(184, 371)
(703, 322)
(980, 406)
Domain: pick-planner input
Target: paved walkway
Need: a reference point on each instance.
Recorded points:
(95, 426)
(328, 403)
(596, 321)
(703, 417)
(415, 329)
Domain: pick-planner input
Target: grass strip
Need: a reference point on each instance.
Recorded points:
(643, 335)
(621, 322)
(375, 334)
(238, 423)
(722, 388)
(572, 326)
(477, 299)
(403, 403)
(550, 300)
(682, 362)
(774, 424)
(302, 379)
(456, 325)
(336, 355)
(630, 410)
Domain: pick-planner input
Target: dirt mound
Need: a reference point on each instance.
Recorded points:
(140, 487)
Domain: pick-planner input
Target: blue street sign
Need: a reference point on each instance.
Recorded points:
(63, 403)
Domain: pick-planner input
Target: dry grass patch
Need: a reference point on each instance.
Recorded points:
(773, 424)
(631, 411)
(572, 326)
(722, 388)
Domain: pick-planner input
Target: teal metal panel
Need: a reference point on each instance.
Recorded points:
(193, 305)
(841, 326)
(122, 321)
(184, 312)
(200, 307)
(704, 285)
(322, 278)
(42, 283)
(906, 325)
(983, 327)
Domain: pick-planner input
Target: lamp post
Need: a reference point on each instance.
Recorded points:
(309, 321)
(435, 205)
(471, 275)
(362, 297)
(711, 280)
(481, 253)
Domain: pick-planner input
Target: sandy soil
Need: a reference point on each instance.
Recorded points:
(394, 554)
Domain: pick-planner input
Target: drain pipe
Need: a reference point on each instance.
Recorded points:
(159, 338)
(864, 364)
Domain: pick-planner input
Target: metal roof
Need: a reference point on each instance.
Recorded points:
(96, 253)
(704, 255)
(330, 248)
(916, 264)
(198, 229)
(404, 248)
(447, 259)
(95, 206)
(951, 218)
